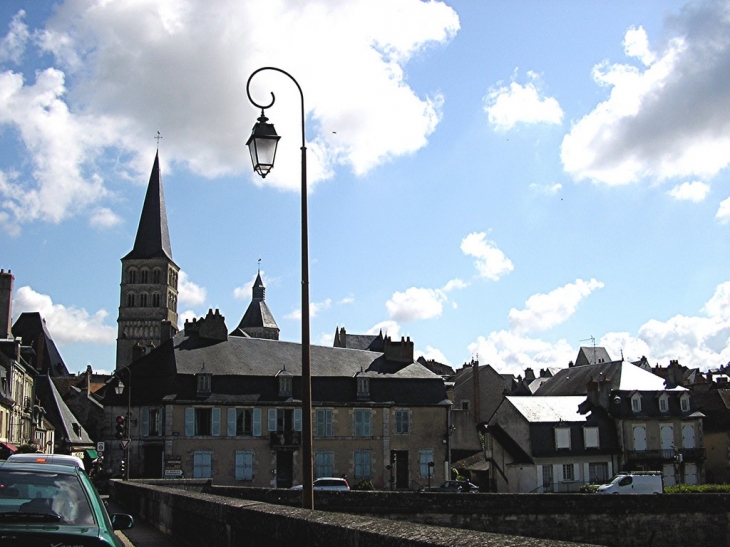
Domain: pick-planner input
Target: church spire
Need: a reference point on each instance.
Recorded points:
(153, 238)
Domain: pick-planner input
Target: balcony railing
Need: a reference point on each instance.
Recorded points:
(286, 439)
(668, 455)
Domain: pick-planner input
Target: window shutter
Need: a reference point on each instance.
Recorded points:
(215, 429)
(272, 419)
(189, 421)
(297, 419)
(231, 422)
(256, 422)
(240, 475)
(146, 422)
(328, 422)
(358, 423)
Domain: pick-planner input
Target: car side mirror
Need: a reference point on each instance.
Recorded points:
(122, 521)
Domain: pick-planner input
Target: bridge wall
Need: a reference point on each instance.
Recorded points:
(668, 520)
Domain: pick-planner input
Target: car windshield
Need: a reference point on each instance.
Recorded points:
(45, 497)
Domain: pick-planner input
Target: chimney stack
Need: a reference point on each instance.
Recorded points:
(6, 303)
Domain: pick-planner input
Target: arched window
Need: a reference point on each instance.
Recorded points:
(156, 300)
(156, 276)
(144, 276)
(130, 300)
(132, 276)
(143, 300)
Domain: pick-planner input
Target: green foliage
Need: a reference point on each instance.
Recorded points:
(28, 448)
(364, 484)
(589, 488)
(698, 489)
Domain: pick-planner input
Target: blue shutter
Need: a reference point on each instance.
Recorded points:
(189, 421)
(146, 422)
(215, 429)
(272, 419)
(231, 422)
(256, 422)
(297, 419)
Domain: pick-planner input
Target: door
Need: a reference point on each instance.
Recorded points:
(284, 468)
(639, 437)
(153, 461)
(547, 478)
(667, 438)
(401, 469)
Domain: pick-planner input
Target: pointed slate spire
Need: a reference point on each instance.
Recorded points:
(258, 321)
(153, 238)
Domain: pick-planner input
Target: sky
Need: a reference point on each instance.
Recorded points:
(498, 180)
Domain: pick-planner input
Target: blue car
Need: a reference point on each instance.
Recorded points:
(45, 505)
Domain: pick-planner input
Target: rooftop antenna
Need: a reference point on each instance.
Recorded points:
(593, 340)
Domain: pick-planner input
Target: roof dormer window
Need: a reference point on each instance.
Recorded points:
(664, 403)
(684, 402)
(204, 383)
(636, 402)
(363, 387)
(285, 383)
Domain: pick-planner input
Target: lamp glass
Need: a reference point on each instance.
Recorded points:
(262, 146)
(119, 389)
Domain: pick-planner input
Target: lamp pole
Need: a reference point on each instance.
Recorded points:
(128, 421)
(262, 145)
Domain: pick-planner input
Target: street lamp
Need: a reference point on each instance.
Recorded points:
(119, 389)
(262, 147)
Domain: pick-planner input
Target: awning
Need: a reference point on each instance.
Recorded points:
(9, 446)
(93, 454)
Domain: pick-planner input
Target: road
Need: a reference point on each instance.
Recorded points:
(142, 535)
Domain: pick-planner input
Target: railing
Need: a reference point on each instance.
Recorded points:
(285, 439)
(666, 455)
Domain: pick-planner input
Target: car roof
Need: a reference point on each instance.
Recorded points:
(62, 469)
(61, 459)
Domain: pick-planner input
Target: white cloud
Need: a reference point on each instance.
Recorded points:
(667, 119)
(388, 328)
(123, 56)
(432, 354)
(67, 325)
(723, 211)
(416, 303)
(314, 309)
(455, 284)
(506, 106)
(548, 189)
(326, 339)
(187, 315)
(103, 217)
(347, 300)
(690, 191)
(544, 311)
(188, 292)
(491, 262)
(12, 46)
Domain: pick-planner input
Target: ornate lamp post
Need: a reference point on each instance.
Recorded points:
(119, 389)
(262, 146)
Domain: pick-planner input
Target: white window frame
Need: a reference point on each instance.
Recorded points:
(568, 472)
(424, 457)
(562, 438)
(636, 402)
(152, 416)
(591, 437)
(324, 463)
(684, 402)
(402, 421)
(664, 403)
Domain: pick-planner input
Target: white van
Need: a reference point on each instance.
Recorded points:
(634, 483)
(58, 459)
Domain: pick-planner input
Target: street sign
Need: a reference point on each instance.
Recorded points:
(123, 444)
(100, 446)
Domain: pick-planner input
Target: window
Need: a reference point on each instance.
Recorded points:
(362, 422)
(156, 276)
(244, 465)
(688, 436)
(284, 419)
(204, 383)
(402, 422)
(132, 276)
(156, 300)
(363, 387)
(143, 275)
(323, 425)
(323, 463)
(684, 402)
(464, 405)
(562, 437)
(202, 467)
(590, 437)
(285, 384)
(547, 478)
(143, 300)
(130, 300)
(568, 472)
(639, 437)
(243, 422)
(598, 473)
(202, 421)
(151, 422)
(362, 464)
(636, 402)
(424, 458)
(664, 403)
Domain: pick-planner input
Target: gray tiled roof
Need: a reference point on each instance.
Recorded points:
(60, 415)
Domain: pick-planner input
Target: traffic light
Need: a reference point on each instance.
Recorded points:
(123, 468)
(121, 429)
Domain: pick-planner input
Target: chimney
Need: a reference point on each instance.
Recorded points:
(88, 380)
(477, 391)
(6, 303)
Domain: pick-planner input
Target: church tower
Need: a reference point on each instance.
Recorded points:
(148, 301)
(258, 321)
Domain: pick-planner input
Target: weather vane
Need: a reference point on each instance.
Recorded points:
(157, 138)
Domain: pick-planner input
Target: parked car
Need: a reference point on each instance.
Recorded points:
(634, 483)
(453, 486)
(61, 459)
(327, 483)
(51, 504)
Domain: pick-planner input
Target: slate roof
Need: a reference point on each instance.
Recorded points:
(549, 409)
(623, 376)
(715, 405)
(57, 412)
(369, 342)
(153, 237)
(31, 327)
(510, 445)
(245, 369)
(591, 355)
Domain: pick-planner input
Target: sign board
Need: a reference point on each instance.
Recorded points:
(123, 444)
(100, 446)
(173, 467)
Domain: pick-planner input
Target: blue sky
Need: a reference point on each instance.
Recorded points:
(500, 180)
